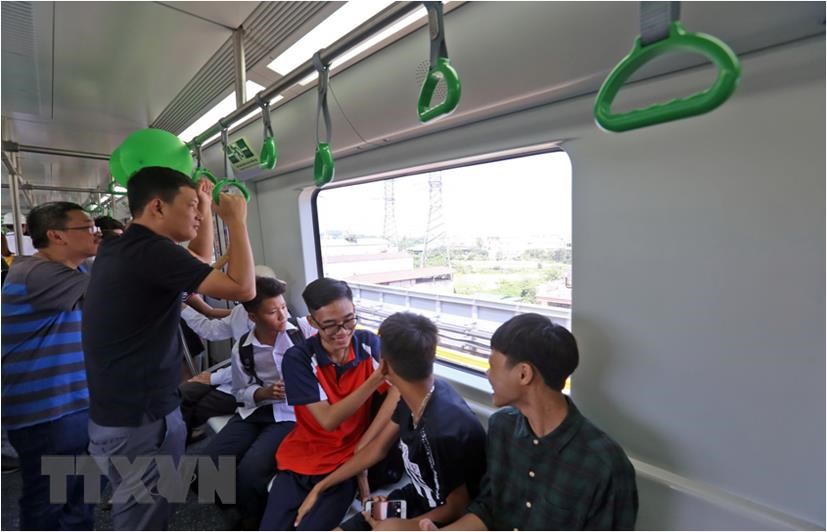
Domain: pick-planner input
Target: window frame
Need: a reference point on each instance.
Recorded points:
(467, 376)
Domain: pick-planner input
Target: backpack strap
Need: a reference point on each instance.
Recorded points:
(245, 353)
(296, 335)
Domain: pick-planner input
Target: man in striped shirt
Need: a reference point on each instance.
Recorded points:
(45, 396)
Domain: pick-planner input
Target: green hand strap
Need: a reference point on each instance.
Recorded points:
(440, 68)
(729, 71)
(323, 167)
(221, 185)
(269, 151)
(203, 172)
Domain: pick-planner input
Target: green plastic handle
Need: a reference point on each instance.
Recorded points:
(216, 192)
(323, 168)
(269, 153)
(729, 71)
(203, 172)
(442, 69)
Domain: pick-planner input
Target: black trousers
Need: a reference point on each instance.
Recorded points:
(199, 402)
(253, 441)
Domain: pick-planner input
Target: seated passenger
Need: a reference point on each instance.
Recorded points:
(442, 441)
(329, 380)
(549, 468)
(254, 433)
(210, 394)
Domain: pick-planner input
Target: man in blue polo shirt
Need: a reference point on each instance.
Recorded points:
(45, 397)
(130, 328)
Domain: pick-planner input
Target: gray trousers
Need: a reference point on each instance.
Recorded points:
(136, 504)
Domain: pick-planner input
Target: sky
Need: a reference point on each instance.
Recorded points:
(528, 196)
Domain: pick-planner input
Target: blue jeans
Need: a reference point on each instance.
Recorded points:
(66, 436)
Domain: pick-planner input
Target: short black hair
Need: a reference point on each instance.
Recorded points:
(324, 291)
(547, 346)
(107, 223)
(409, 345)
(266, 287)
(48, 216)
(154, 182)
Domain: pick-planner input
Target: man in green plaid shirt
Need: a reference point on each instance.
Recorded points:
(549, 468)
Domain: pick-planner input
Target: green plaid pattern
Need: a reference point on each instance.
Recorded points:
(576, 478)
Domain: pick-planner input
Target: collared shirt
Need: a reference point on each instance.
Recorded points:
(574, 478)
(44, 377)
(267, 360)
(310, 376)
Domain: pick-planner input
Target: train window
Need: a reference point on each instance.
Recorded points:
(456, 246)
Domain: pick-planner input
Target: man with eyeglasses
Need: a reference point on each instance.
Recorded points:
(329, 380)
(45, 394)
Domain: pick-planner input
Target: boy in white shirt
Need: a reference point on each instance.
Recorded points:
(263, 417)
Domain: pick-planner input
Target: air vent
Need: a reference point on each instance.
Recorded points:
(19, 61)
(267, 26)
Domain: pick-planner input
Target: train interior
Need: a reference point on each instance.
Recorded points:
(698, 244)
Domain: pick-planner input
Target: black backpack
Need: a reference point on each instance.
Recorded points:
(245, 352)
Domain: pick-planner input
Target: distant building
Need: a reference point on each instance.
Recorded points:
(431, 277)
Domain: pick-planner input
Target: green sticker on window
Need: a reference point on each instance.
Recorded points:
(241, 154)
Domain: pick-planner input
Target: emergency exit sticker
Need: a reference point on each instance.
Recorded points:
(241, 155)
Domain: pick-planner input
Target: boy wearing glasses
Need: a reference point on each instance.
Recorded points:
(328, 380)
(45, 394)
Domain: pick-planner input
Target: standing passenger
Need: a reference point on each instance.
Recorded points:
(45, 396)
(329, 380)
(130, 328)
(549, 468)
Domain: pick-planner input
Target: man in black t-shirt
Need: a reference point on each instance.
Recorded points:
(442, 441)
(130, 328)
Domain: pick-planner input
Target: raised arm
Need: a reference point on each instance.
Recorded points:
(330, 416)
(201, 306)
(201, 245)
(213, 330)
(239, 281)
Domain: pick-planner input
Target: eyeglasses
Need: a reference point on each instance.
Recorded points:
(347, 325)
(91, 229)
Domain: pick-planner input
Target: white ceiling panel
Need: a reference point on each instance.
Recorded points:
(227, 14)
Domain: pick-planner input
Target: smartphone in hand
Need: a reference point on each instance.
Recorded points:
(387, 509)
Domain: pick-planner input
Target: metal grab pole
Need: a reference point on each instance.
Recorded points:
(53, 188)
(14, 147)
(377, 23)
(15, 200)
(240, 68)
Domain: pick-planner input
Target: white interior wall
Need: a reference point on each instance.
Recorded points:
(699, 300)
